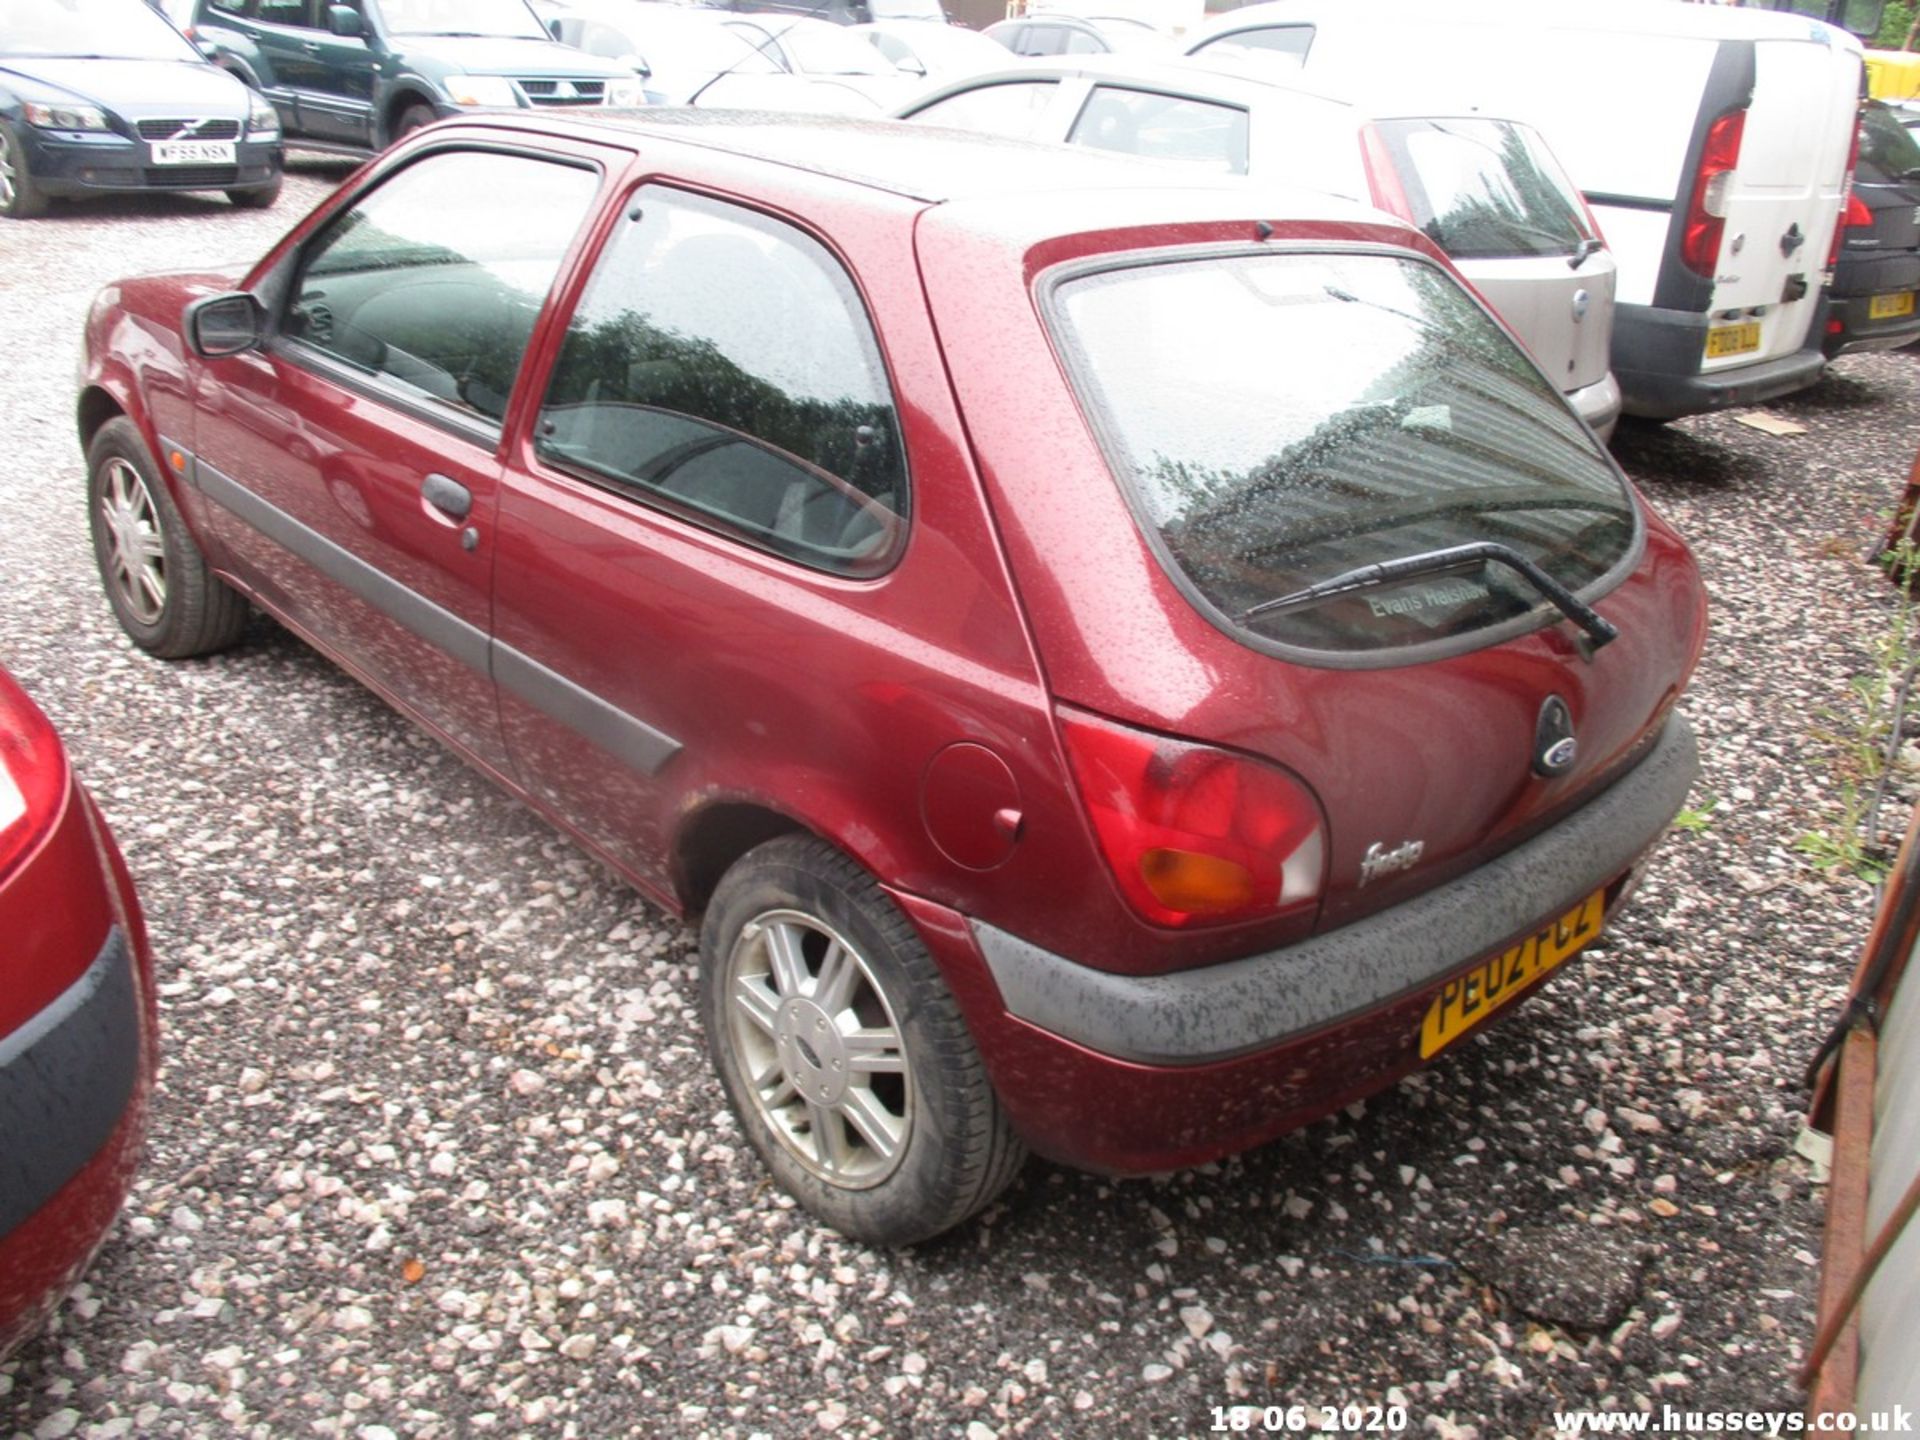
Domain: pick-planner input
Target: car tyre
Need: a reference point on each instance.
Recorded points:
(21, 197)
(414, 117)
(257, 197)
(164, 596)
(810, 976)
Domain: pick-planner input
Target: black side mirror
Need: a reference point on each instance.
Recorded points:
(554, 27)
(222, 325)
(345, 20)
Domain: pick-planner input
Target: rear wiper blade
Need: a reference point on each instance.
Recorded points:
(1442, 562)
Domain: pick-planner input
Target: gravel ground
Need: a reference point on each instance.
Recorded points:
(436, 1150)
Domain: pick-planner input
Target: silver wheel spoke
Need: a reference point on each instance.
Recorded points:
(877, 1127)
(752, 998)
(784, 959)
(151, 545)
(153, 588)
(833, 989)
(829, 1138)
(875, 1052)
(773, 1086)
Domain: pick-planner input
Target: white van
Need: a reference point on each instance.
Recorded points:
(1711, 143)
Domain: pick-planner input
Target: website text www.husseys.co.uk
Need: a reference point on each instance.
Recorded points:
(1669, 1421)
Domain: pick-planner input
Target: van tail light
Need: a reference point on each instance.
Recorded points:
(1707, 210)
(33, 775)
(1853, 211)
(1196, 835)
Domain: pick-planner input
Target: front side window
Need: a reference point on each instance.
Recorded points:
(299, 14)
(1013, 110)
(1164, 127)
(1281, 418)
(1484, 189)
(721, 364)
(430, 284)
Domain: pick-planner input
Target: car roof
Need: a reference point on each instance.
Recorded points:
(936, 166)
(1652, 17)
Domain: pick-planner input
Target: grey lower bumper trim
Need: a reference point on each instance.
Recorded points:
(65, 1079)
(1214, 1013)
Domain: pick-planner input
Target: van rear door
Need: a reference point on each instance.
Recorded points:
(1780, 201)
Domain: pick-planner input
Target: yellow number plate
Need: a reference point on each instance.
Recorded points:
(1470, 998)
(1885, 307)
(1725, 340)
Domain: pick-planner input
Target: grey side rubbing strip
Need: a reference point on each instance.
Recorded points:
(1220, 1011)
(581, 711)
(65, 1079)
(604, 724)
(438, 626)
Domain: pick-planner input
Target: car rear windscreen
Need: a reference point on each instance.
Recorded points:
(1279, 418)
(1483, 189)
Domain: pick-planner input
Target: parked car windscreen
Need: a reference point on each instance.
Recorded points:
(1484, 189)
(1280, 418)
(92, 29)
(499, 18)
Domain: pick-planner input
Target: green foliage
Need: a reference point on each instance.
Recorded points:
(1696, 818)
(1861, 736)
(1894, 25)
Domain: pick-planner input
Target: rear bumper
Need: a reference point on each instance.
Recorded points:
(1134, 1073)
(1857, 281)
(1657, 353)
(80, 165)
(1598, 404)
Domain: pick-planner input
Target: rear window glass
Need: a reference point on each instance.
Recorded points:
(1278, 419)
(1888, 151)
(1484, 189)
(1285, 45)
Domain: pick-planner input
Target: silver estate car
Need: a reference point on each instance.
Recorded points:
(1487, 191)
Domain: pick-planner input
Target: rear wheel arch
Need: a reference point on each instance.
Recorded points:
(713, 837)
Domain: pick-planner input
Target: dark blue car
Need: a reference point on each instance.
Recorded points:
(105, 95)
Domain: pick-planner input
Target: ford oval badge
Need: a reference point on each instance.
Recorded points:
(1554, 746)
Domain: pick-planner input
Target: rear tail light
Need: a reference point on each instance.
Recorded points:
(1852, 210)
(1382, 178)
(33, 775)
(1706, 212)
(1196, 835)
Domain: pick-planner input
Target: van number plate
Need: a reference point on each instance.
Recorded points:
(1886, 307)
(1466, 1000)
(1723, 340)
(193, 152)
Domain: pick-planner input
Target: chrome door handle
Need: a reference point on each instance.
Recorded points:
(449, 497)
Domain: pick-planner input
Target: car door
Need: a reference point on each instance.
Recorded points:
(715, 486)
(352, 460)
(337, 103)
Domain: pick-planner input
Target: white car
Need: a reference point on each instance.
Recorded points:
(687, 55)
(935, 52)
(1485, 190)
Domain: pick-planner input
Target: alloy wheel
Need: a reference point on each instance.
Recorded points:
(7, 163)
(136, 545)
(819, 1048)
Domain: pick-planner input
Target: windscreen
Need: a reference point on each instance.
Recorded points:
(1281, 418)
(89, 29)
(1484, 189)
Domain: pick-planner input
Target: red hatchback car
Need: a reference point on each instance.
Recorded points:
(77, 1031)
(1116, 668)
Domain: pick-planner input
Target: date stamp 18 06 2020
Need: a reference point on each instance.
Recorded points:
(1302, 1419)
